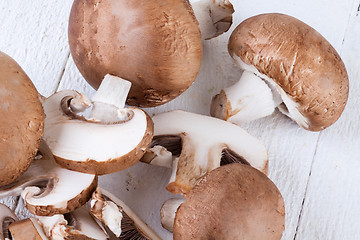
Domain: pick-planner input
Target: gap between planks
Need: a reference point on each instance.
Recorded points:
(62, 72)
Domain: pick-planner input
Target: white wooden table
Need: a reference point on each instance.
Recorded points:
(317, 173)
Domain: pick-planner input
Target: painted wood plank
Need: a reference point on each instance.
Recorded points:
(331, 207)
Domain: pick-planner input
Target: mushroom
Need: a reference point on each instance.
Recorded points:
(75, 225)
(6, 218)
(234, 201)
(195, 144)
(118, 217)
(21, 120)
(27, 229)
(168, 212)
(48, 189)
(108, 139)
(287, 65)
(155, 44)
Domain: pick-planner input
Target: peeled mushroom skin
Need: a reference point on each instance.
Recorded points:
(155, 44)
(298, 61)
(234, 201)
(7, 217)
(21, 120)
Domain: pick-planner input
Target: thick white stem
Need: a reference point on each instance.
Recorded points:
(214, 16)
(168, 212)
(109, 99)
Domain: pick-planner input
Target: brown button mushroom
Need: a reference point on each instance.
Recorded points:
(7, 217)
(27, 229)
(231, 202)
(109, 139)
(288, 65)
(48, 189)
(155, 44)
(195, 144)
(21, 120)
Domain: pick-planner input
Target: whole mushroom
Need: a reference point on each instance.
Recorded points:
(21, 120)
(287, 65)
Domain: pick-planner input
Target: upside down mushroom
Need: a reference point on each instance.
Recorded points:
(287, 65)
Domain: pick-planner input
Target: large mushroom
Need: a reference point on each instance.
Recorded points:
(7, 217)
(21, 120)
(108, 139)
(234, 201)
(288, 65)
(195, 144)
(49, 189)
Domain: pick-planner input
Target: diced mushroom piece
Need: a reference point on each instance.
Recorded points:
(27, 229)
(118, 217)
(288, 65)
(168, 213)
(75, 225)
(200, 144)
(108, 139)
(6, 218)
(214, 16)
(49, 189)
(21, 120)
(231, 202)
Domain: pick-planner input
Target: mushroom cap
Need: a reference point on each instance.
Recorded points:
(299, 60)
(155, 44)
(27, 229)
(234, 201)
(21, 120)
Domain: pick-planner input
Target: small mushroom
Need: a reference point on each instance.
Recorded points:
(49, 189)
(78, 224)
(214, 16)
(27, 229)
(196, 144)
(119, 218)
(287, 65)
(234, 201)
(21, 120)
(108, 139)
(154, 44)
(7, 217)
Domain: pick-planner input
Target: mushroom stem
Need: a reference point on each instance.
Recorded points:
(168, 212)
(109, 99)
(249, 99)
(158, 156)
(214, 16)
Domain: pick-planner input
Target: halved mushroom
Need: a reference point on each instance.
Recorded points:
(118, 217)
(75, 225)
(287, 65)
(49, 189)
(234, 201)
(110, 139)
(196, 144)
(21, 120)
(27, 229)
(6, 218)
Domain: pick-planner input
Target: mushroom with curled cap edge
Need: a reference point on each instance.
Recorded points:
(7, 217)
(99, 136)
(48, 189)
(118, 217)
(21, 120)
(234, 201)
(287, 65)
(195, 144)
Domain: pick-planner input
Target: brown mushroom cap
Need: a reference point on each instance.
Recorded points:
(21, 120)
(155, 44)
(234, 201)
(297, 58)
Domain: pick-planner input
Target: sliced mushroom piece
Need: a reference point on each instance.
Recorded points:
(288, 65)
(200, 144)
(27, 229)
(78, 224)
(118, 217)
(108, 139)
(21, 120)
(214, 16)
(49, 189)
(7, 217)
(234, 201)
